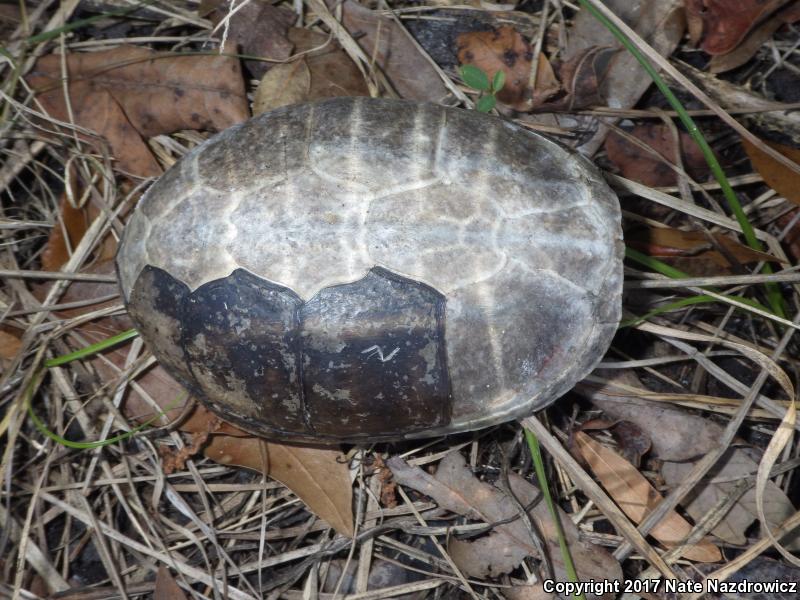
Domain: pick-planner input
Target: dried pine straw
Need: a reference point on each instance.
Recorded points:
(100, 523)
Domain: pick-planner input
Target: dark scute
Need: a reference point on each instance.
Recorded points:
(154, 305)
(374, 357)
(242, 338)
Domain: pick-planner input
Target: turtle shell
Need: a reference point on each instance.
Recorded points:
(366, 269)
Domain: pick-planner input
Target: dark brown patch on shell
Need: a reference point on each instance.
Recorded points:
(365, 359)
(242, 341)
(374, 357)
(155, 305)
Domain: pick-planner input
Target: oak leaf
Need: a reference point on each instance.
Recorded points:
(129, 94)
(636, 496)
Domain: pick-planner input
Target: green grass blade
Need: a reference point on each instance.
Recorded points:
(93, 349)
(80, 445)
(77, 355)
(541, 477)
(79, 23)
(773, 291)
(673, 273)
(677, 304)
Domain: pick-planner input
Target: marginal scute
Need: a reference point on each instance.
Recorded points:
(242, 341)
(155, 304)
(132, 254)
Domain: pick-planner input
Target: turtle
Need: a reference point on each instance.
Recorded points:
(363, 270)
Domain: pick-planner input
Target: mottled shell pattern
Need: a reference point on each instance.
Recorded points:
(363, 269)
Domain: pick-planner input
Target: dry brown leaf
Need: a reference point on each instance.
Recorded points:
(675, 435)
(701, 252)
(284, 84)
(412, 76)
(724, 23)
(9, 344)
(580, 87)
(754, 40)
(632, 441)
(765, 569)
(503, 49)
(455, 488)
(792, 238)
(333, 73)
(166, 586)
(257, 28)
(10, 19)
(318, 476)
(325, 71)
(72, 224)
(382, 574)
(747, 48)
(780, 178)
(638, 164)
(637, 497)
(129, 93)
(734, 465)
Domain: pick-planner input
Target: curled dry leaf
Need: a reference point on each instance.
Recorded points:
(754, 40)
(622, 81)
(764, 569)
(637, 497)
(455, 488)
(526, 592)
(724, 23)
(792, 237)
(10, 343)
(319, 476)
(721, 481)
(654, 168)
(780, 122)
(130, 93)
(632, 440)
(166, 586)
(580, 76)
(71, 226)
(382, 574)
(333, 73)
(284, 84)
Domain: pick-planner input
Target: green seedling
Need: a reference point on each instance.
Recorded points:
(478, 79)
